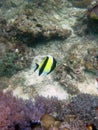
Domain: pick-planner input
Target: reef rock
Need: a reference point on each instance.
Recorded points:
(81, 3)
(40, 24)
(91, 60)
(37, 30)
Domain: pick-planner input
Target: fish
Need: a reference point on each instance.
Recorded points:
(46, 66)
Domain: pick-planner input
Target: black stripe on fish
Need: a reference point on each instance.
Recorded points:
(36, 67)
(53, 66)
(43, 66)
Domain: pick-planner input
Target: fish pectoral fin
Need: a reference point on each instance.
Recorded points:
(36, 67)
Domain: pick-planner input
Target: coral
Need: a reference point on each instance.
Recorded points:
(75, 124)
(35, 25)
(16, 114)
(14, 55)
(7, 66)
(34, 31)
(84, 106)
(11, 62)
(91, 60)
(46, 105)
(65, 76)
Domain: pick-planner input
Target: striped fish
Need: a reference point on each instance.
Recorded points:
(46, 66)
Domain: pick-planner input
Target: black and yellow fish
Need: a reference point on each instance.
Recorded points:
(46, 66)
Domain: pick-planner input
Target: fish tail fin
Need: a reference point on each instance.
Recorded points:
(36, 67)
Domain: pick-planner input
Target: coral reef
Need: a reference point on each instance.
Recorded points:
(47, 20)
(31, 31)
(35, 25)
(14, 55)
(67, 111)
(16, 114)
(77, 64)
(14, 59)
(91, 60)
(88, 21)
(84, 106)
(71, 71)
(63, 76)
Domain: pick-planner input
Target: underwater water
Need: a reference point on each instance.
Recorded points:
(49, 63)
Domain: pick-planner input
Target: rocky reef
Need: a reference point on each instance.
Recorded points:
(81, 3)
(67, 98)
(76, 64)
(32, 25)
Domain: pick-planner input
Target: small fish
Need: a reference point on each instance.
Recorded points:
(47, 65)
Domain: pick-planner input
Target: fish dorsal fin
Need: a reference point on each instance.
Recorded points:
(36, 67)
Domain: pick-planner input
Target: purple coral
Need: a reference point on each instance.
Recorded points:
(19, 114)
(16, 114)
(84, 105)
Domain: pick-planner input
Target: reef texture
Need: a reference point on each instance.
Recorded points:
(39, 26)
(76, 64)
(81, 3)
(48, 113)
(14, 55)
(38, 21)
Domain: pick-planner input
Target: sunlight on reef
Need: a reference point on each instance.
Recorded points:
(34, 85)
(62, 33)
(67, 32)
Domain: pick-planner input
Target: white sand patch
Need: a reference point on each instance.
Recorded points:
(88, 86)
(18, 92)
(42, 85)
(45, 85)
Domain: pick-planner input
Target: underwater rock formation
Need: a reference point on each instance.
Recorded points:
(91, 60)
(33, 28)
(72, 72)
(46, 22)
(14, 55)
